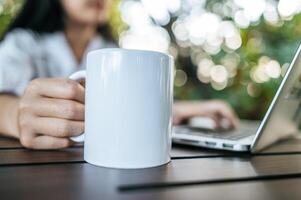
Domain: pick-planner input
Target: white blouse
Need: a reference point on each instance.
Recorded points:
(25, 55)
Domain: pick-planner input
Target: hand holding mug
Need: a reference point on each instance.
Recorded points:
(127, 101)
(50, 112)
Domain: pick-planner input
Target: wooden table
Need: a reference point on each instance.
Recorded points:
(193, 173)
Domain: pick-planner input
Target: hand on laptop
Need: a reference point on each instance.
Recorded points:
(217, 110)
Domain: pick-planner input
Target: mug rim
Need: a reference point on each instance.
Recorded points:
(129, 50)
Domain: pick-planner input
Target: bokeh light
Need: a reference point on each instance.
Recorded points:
(180, 78)
(235, 47)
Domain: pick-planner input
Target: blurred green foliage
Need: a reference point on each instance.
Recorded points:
(8, 10)
(279, 43)
(276, 42)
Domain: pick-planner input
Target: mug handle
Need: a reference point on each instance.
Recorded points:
(77, 76)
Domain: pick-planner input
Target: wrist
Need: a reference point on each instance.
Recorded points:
(9, 116)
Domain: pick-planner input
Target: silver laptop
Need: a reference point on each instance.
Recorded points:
(280, 121)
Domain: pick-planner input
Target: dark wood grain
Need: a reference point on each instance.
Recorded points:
(184, 170)
(259, 190)
(14, 154)
(194, 173)
(9, 143)
(25, 156)
(84, 181)
(189, 170)
(263, 190)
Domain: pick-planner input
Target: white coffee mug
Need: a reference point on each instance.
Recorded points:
(128, 108)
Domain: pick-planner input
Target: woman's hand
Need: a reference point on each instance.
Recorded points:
(50, 111)
(214, 109)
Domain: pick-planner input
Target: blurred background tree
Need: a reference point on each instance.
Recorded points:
(236, 50)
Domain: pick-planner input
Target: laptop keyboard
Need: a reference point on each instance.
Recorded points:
(245, 130)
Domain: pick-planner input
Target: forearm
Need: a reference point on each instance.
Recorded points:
(9, 115)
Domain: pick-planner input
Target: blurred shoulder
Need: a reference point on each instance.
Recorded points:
(21, 37)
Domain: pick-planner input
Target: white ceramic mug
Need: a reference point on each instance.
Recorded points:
(128, 108)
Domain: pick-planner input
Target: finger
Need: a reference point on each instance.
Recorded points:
(184, 110)
(225, 123)
(59, 108)
(49, 142)
(219, 122)
(226, 112)
(215, 119)
(61, 88)
(57, 127)
(232, 119)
